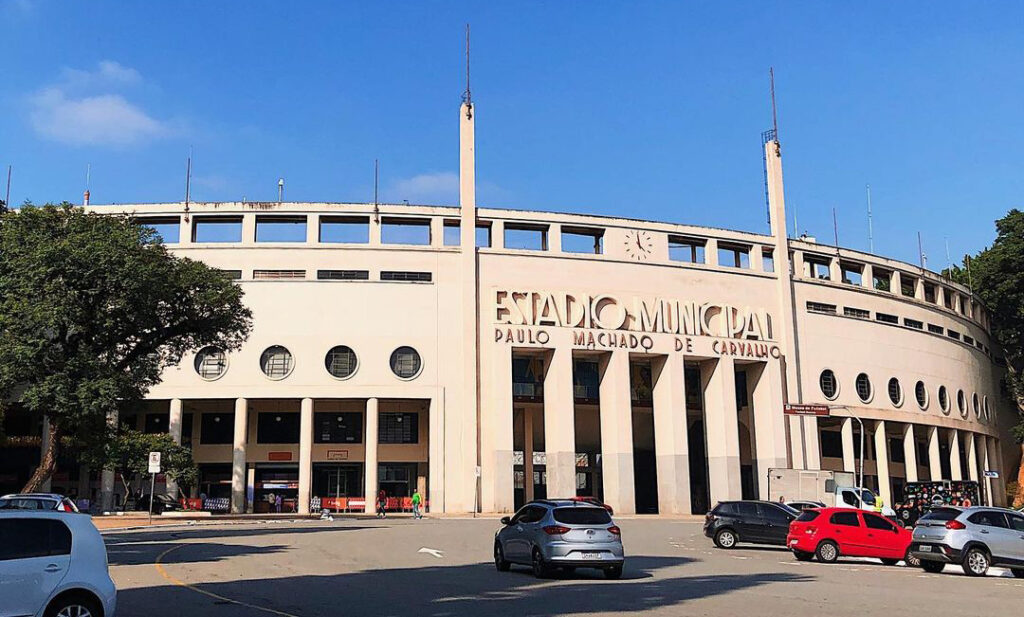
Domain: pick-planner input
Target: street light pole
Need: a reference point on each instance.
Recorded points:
(860, 479)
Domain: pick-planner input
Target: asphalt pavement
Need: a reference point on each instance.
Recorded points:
(443, 568)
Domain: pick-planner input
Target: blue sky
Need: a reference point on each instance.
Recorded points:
(643, 109)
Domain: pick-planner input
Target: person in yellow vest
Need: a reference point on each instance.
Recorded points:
(878, 504)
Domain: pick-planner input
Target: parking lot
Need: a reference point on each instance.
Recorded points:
(356, 567)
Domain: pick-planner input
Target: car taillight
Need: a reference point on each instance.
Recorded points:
(615, 530)
(811, 531)
(955, 524)
(554, 530)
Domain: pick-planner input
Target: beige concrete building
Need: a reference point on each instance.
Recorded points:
(487, 357)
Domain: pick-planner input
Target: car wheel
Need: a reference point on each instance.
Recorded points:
(540, 567)
(802, 555)
(614, 572)
(976, 562)
(933, 566)
(828, 552)
(73, 606)
(725, 538)
(499, 558)
(890, 562)
(910, 560)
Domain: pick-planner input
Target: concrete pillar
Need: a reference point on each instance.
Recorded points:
(795, 429)
(305, 454)
(174, 428)
(238, 469)
(849, 451)
(934, 455)
(671, 446)
(617, 433)
(835, 271)
(84, 485)
(895, 283)
(435, 464)
(986, 463)
(955, 470)
(910, 453)
(560, 424)
(496, 487)
(998, 493)
(812, 442)
(882, 462)
(711, 252)
(798, 265)
(769, 428)
(721, 426)
(528, 485)
(972, 457)
(919, 289)
(867, 276)
(107, 475)
(370, 465)
(756, 259)
(44, 443)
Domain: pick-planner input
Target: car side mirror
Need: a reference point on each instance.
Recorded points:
(506, 520)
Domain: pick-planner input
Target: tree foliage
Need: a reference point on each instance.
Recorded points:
(127, 453)
(92, 309)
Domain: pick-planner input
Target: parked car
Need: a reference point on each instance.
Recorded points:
(828, 533)
(54, 564)
(547, 534)
(37, 501)
(756, 522)
(975, 538)
(800, 506)
(161, 503)
(593, 501)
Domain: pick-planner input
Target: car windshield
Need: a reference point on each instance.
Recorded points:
(582, 516)
(940, 515)
(808, 515)
(867, 497)
(789, 508)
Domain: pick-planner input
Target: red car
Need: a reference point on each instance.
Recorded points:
(828, 533)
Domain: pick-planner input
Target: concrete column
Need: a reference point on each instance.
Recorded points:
(910, 453)
(107, 475)
(882, 462)
(919, 289)
(867, 276)
(998, 494)
(756, 260)
(798, 265)
(370, 465)
(769, 428)
(238, 468)
(711, 252)
(835, 271)
(248, 229)
(972, 457)
(671, 447)
(44, 443)
(955, 469)
(849, 451)
(496, 487)
(721, 426)
(895, 284)
(305, 454)
(174, 428)
(934, 454)
(795, 428)
(982, 445)
(528, 454)
(84, 485)
(940, 295)
(560, 424)
(812, 442)
(617, 433)
(435, 461)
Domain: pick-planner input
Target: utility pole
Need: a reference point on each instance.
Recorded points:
(871, 231)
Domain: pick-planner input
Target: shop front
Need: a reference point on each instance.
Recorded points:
(276, 488)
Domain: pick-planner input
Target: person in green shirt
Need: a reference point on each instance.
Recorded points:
(416, 500)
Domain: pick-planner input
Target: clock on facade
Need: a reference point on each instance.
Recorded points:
(639, 246)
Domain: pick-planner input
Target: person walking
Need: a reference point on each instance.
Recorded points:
(382, 504)
(416, 500)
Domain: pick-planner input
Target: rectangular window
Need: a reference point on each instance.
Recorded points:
(234, 275)
(343, 275)
(851, 273)
(413, 277)
(167, 228)
(969, 340)
(947, 298)
(278, 274)
(913, 323)
(582, 240)
(936, 329)
(156, 423)
(345, 229)
(886, 318)
(821, 307)
(768, 260)
(217, 229)
(817, 267)
(277, 427)
(280, 229)
(896, 453)
(687, 250)
(908, 285)
(832, 444)
(453, 231)
(217, 428)
(881, 280)
(929, 293)
(186, 428)
(399, 428)
(526, 237)
(733, 255)
(397, 230)
(586, 380)
(953, 334)
(338, 427)
(856, 313)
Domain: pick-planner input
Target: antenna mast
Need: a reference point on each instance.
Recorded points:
(835, 229)
(88, 173)
(188, 182)
(467, 96)
(920, 252)
(7, 196)
(775, 118)
(376, 204)
(871, 230)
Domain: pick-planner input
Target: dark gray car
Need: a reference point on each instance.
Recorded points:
(548, 534)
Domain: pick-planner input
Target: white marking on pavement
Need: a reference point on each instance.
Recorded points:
(431, 551)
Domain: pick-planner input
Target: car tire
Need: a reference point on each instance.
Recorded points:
(935, 567)
(889, 561)
(827, 552)
(73, 605)
(726, 538)
(540, 567)
(500, 562)
(613, 573)
(910, 560)
(802, 555)
(976, 562)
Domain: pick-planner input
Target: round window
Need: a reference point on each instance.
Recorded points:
(276, 362)
(341, 362)
(211, 363)
(943, 399)
(976, 405)
(863, 384)
(829, 385)
(921, 393)
(895, 392)
(405, 362)
(987, 411)
(961, 403)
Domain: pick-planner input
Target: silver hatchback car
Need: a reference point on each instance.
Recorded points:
(559, 533)
(975, 538)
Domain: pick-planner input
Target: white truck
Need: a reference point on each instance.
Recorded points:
(832, 488)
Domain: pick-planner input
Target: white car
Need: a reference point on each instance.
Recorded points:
(53, 564)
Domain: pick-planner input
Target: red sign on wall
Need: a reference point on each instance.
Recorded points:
(806, 410)
(279, 456)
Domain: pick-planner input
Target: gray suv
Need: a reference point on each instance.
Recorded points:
(559, 533)
(975, 538)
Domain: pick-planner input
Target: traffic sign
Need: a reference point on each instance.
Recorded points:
(806, 410)
(154, 462)
(991, 474)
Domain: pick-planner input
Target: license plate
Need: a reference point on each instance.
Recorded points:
(924, 548)
(590, 555)
(792, 542)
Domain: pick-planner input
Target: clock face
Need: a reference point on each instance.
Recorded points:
(639, 246)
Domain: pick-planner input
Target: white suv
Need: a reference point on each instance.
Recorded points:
(975, 538)
(53, 564)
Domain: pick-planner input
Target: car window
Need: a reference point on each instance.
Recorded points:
(808, 515)
(725, 509)
(582, 516)
(847, 519)
(851, 498)
(867, 497)
(941, 515)
(518, 518)
(775, 514)
(533, 514)
(872, 521)
(1016, 521)
(747, 509)
(988, 519)
(22, 538)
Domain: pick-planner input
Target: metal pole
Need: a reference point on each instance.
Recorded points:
(871, 231)
(152, 488)
(860, 479)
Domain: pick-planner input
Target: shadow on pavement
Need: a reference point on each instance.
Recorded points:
(475, 589)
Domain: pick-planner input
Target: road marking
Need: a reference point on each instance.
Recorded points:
(164, 573)
(431, 551)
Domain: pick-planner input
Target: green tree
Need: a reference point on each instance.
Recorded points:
(92, 309)
(996, 275)
(127, 453)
